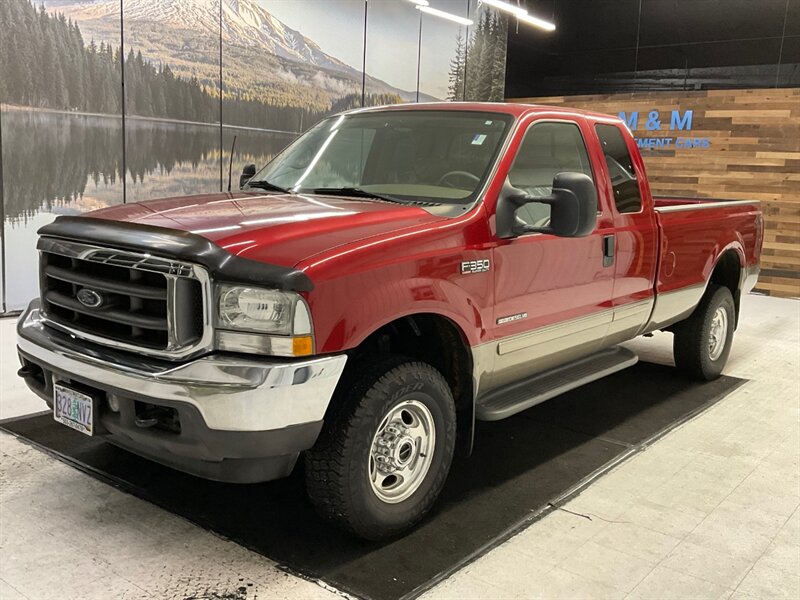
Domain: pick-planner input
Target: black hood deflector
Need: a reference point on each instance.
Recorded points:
(177, 244)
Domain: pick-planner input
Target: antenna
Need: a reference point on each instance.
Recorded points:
(230, 165)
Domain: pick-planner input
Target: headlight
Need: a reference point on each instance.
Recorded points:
(244, 312)
(255, 309)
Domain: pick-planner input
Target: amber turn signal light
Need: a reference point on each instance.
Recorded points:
(302, 346)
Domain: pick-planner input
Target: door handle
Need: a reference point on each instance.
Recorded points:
(609, 243)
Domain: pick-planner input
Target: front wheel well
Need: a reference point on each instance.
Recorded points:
(432, 339)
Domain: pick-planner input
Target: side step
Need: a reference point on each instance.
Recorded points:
(523, 394)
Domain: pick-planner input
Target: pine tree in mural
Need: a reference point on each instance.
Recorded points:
(498, 59)
(480, 75)
(45, 63)
(457, 66)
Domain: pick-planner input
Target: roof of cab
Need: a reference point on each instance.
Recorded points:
(511, 108)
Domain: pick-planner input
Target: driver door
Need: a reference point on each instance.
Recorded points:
(552, 294)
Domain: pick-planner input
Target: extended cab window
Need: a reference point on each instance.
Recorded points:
(439, 156)
(547, 150)
(620, 168)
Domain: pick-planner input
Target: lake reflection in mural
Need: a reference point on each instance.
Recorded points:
(68, 164)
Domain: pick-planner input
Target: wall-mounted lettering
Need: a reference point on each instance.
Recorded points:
(654, 121)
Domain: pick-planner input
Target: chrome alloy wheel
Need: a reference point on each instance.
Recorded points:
(402, 451)
(718, 333)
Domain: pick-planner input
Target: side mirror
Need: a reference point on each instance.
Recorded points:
(247, 175)
(573, 208)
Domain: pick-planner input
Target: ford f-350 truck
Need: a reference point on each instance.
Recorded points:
(393, 275)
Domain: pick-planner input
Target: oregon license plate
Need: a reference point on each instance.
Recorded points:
(73, 409)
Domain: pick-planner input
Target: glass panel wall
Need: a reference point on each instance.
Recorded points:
(485, 72)
(61, 119)
(392, 56)
(305, 63)
(172, 79)
(442, 60)
(71, 143)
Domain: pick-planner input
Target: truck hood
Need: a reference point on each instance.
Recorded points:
(281, 229)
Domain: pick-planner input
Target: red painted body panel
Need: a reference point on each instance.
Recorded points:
(361, 286)
(373, 262)
(280, 229)
(553, 279)
(693, 240)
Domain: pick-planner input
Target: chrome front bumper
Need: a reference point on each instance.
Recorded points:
(241, 419)
(231, 393)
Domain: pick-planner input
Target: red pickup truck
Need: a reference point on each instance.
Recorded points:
(390, 277)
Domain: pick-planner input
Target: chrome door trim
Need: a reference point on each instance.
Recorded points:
(549, 333)
(671, 307)
(629, 320)
(501, 361)
(704, 206)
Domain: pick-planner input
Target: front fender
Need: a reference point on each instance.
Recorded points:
(347, 312)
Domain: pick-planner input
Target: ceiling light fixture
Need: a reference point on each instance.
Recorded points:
(444, 15)
(537, 22)
(506, 7)
(420, 2)
(520, 13)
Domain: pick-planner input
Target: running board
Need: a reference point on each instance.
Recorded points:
(524, 394)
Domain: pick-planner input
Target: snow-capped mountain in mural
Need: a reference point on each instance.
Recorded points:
(185, 34)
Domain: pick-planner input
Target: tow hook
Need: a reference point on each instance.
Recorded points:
(151, 417)
(27, 371)
(163, 417)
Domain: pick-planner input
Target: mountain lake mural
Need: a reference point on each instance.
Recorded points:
(197, 73)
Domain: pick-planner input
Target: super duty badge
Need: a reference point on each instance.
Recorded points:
(475, 266)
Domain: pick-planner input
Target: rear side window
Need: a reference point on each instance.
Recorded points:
(620, 168)
(547, 150)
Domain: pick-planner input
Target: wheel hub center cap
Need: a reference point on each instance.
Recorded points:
(404, 451)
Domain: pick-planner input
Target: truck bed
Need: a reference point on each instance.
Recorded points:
(694, 233)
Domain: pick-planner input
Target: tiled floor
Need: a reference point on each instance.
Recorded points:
(709, 511)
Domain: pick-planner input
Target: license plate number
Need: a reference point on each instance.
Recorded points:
(73, 409)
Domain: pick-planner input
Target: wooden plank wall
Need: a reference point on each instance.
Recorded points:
(754, 154)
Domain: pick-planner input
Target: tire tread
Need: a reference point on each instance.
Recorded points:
(363, 388)
(689, 336)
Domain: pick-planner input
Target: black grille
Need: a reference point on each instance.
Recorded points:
(133, 305)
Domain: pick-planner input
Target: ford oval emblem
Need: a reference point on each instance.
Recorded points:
(89, 298)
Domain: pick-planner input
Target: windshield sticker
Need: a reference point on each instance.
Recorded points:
(478, 139)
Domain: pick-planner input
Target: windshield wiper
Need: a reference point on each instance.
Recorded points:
(355, 192)
(263, 184)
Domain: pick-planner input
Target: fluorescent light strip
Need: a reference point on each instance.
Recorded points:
(520, 13)
(444, 15)
(537, 22)
(505, 6)
(420, 2)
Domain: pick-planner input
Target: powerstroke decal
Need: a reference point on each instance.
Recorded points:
(510, 318)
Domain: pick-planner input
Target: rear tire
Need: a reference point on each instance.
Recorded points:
(385, 450)
(703, 342)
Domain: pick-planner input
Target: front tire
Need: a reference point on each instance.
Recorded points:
(385, 450)
(703, 342)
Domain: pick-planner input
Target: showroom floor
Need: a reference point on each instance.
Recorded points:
(709, 511)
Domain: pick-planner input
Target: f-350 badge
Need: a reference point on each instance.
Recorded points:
(475, 266)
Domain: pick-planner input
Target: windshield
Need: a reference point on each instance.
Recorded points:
(434, 156)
